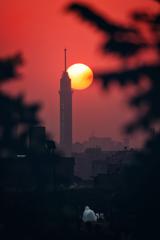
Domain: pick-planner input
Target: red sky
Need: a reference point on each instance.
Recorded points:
(40, 29)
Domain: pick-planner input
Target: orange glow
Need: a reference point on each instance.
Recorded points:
(81, 76)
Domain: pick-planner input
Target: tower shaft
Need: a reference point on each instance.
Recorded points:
(65, 112)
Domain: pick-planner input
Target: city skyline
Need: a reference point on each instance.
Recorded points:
(71, 165)
(41, 35)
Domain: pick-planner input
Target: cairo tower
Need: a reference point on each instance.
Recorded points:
(65, 111)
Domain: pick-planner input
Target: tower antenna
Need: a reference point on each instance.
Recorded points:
(65, 59)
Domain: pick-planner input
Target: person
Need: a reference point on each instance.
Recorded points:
(89, 215)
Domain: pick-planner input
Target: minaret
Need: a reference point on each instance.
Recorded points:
(65, 111)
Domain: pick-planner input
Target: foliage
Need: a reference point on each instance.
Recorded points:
(16, 117)
(139, 193)
(128, 42)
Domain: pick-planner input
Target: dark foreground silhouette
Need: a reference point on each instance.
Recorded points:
(32, 204)
(139, 194)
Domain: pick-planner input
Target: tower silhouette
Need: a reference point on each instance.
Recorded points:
(65, 111)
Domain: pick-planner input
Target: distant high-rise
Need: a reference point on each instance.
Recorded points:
(65, 111)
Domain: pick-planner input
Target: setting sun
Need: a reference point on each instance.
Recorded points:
(81, 76)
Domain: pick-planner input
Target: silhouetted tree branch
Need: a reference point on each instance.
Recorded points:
(8, 67)
(120, 40)
(139, 194)
(125, 42)
(16, 117)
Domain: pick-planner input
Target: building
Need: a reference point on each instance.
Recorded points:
(113, 162)
(83, 162)
(65, 93)
(37, 138)
(108, 173)
(94, 161)
(36, 170)
(64, 171)
(105, 143)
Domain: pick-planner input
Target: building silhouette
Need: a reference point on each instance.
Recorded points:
(65, 112)
(95, 161)
(105, 143)
(37, 138)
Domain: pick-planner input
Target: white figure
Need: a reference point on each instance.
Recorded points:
(89, 215)
(97, 214)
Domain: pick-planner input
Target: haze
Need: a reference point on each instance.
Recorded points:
(40, 29)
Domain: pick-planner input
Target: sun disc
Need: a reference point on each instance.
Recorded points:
(81, 76)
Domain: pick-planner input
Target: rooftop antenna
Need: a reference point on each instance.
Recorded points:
(65, 59)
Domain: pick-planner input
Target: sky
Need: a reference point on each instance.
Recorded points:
(40, 30)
